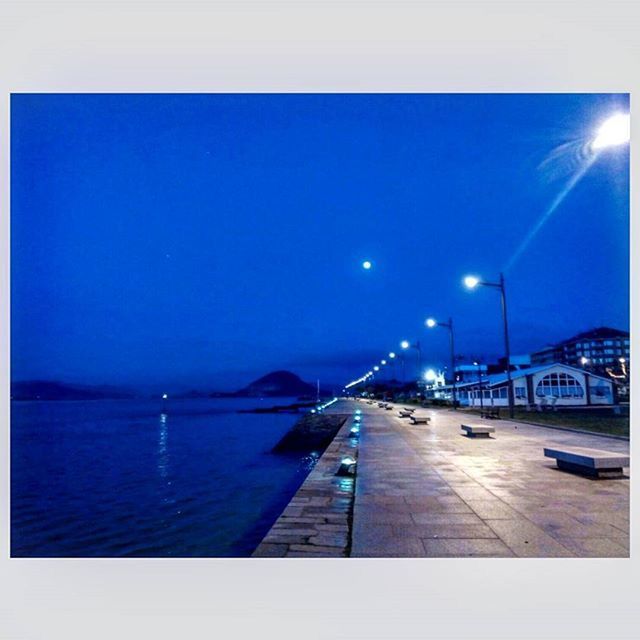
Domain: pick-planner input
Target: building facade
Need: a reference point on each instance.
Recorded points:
(596, 350)
(552, 384)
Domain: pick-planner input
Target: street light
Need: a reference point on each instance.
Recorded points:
(405, 344)
(392, 355)
(477, 364)
(366, 265)
(376, 368)
(614, 131)
(431, 323)
(471, 282)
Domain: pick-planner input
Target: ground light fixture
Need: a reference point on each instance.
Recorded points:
(357, 418)
(355, 431)
(347, 467)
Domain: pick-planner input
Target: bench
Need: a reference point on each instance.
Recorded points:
(477, 431)
(389, 407)
(490, 412)
(590, 462)
(409, 409)
(419, 419)
(404, 414)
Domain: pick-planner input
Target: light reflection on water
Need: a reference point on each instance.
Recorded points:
(115, 478)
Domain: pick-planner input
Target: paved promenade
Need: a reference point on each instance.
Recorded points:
(426, 490)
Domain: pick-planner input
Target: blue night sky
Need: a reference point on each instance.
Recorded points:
(203, 240)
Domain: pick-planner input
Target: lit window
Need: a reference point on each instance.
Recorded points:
(559, 385)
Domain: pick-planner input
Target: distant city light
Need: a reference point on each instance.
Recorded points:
(430, 322)
(471, 282)
(367, 265)
(614, 131)
(404, 344)
(584, 360)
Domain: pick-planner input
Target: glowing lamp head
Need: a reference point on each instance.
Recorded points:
(164, 396)
(471, 282)
(366, 265)
(430, 375)
(392, 355)
(430, 322)
(383, 362)
(376, 368)
(584, 360)
(357, 418)
(404, 344)
(347, 460)
(622, 360)
(613, 132)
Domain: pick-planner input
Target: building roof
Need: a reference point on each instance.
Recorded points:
(497, 379)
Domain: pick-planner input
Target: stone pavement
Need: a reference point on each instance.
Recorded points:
(426, 490)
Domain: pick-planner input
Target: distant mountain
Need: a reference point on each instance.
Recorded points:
(54, 390)
(276, 384)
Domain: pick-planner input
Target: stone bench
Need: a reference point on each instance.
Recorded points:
(589, 462)
(477, 431)
(404, 414)
(419, 419)
(409, 409)
(389, 407)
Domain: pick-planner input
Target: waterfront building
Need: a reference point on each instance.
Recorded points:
(552, 385)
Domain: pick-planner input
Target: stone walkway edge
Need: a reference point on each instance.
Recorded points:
(317, 521)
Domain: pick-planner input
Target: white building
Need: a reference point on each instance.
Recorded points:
(550, 384)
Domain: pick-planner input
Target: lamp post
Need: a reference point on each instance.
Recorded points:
(480, 391)
(405, 344)
(431, 323)
(471, 282)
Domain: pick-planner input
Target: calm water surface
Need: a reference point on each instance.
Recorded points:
(117, 478)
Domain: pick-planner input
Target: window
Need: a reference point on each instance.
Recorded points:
(521, 392)
(559, 385)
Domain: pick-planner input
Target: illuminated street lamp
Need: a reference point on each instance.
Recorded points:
(366, 265)
(480, 391)
(471, 282)
(376, 368)
(614, 131)
(431, 323)
(392, 355)
(405, 344)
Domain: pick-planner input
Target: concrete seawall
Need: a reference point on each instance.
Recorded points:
(317, 521)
